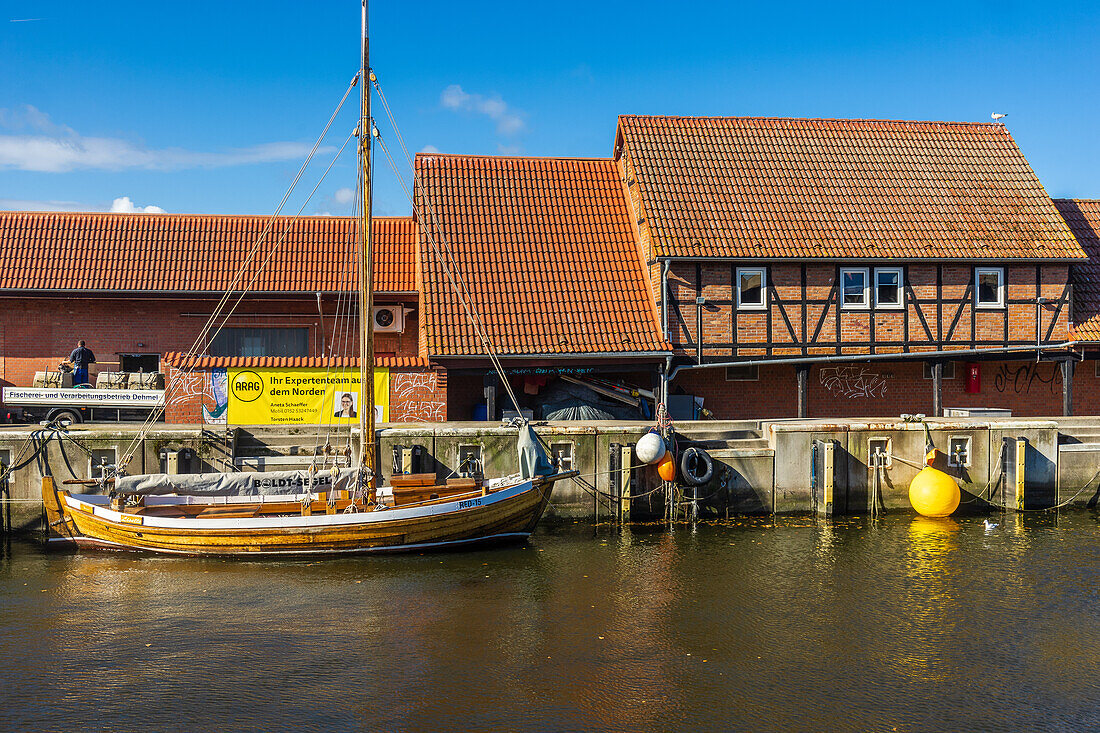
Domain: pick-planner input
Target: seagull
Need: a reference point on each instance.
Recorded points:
(998, 115)
(989, 525)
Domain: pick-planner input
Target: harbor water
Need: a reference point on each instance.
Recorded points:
(786, 624)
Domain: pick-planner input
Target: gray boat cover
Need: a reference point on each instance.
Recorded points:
(236, 484)
(533, 460)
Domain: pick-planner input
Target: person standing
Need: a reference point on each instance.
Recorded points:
(81, 357)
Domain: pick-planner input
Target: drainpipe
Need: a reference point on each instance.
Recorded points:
(665, 265)
(321, 324)
(665, 369)
(666, 372)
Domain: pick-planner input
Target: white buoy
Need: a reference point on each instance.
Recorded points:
(650, 448)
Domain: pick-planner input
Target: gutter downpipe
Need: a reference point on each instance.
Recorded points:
(321, 316)
(921, 355)
(667, 373)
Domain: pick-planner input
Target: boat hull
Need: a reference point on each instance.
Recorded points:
(508, 515)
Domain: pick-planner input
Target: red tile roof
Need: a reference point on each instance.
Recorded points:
(1083, 218)
(546, 249)
(181, 252)
(803, 188)
(202, 361)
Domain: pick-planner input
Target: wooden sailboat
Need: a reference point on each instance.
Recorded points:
(337, 511)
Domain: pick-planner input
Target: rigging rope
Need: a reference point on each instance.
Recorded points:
(449, 265)
(155, 413)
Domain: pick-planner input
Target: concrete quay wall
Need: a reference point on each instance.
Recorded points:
(761, 467)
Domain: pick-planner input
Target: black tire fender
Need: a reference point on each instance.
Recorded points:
(696, 466)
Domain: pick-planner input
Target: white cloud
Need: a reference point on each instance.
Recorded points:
(58, 149)
(509, 121)
(344, 196)
(123, 205)
(429, 149)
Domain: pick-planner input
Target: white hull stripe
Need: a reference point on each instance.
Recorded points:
(315, 520)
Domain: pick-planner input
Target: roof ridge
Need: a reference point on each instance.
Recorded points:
(180, 215)
(948, 123)
(593, 159)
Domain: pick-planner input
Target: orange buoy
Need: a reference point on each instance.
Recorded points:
(666, 468)
(933, 493)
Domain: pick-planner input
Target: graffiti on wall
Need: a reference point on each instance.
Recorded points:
(215, 402)
(854, 382)
(204, 387)
(413, 398)
(1021, 379)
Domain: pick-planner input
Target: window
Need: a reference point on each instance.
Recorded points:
(260, 342)
(948, 370)
(888, 282)
(989, 289)
(751, 282)
(742, 373)
(854, 292)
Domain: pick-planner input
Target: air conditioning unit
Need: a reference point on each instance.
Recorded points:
(389, 319)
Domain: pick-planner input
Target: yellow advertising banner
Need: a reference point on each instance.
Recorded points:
(302, 396)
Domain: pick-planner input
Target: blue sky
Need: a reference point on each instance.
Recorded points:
(209, 107)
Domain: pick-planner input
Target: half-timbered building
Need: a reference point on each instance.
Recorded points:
(852, 267)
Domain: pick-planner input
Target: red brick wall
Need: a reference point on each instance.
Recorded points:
(885, 389)
(722, 323)
(38, 332)
(418, 395)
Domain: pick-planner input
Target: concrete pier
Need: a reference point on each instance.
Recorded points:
(760, 467)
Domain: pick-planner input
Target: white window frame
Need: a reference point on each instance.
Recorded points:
(1000, 272)
(900, 272)
(763, 304)
(866, 304)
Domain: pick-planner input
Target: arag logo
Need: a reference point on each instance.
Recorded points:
(247, 386)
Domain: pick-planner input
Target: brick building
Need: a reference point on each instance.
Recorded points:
(140, 289)
(853, 267)
(545, 258)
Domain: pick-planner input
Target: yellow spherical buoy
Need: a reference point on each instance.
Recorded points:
(666, 468)
(933, 493)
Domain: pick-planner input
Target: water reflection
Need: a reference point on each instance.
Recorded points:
(781, 624)
(930, 561)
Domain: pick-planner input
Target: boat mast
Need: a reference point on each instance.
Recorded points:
(366, 273)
